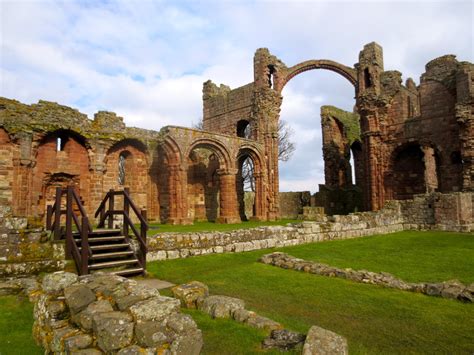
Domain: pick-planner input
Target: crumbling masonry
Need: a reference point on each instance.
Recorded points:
(405, 140)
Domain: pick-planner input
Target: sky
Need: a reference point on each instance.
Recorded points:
(147, 60)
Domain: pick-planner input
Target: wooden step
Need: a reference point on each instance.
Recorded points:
(101, 232)
(103, 239)
(132, 271)
(108, 246)
(112, 264)
(116, 254)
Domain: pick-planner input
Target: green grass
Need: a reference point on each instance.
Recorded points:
(411, 256)
(375, 320)
(211, 226)
(16, 322)
(226, 336)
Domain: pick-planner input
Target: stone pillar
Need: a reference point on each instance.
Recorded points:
(372, 108)
(229, 209)
(431, 177)
(259, 202)
(23, 204)
(178, 202)
(97, 169)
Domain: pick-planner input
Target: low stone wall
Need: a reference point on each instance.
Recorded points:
(180, 245)
(448, 212)
(108, 314)
(453, 289)
(25, 250)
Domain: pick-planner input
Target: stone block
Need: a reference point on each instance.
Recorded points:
(190, 293)
(78, 297)
(320, 341)
(154, 309)
(221, 306)
(114, 330)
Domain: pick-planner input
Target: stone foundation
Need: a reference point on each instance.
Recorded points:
(452, 289)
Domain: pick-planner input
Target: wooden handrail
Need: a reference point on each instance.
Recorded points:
(134, 208)
(107, 210)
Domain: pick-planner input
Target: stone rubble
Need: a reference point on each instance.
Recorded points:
(452, 289)
(104, 313)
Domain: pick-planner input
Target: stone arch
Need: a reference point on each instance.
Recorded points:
(348, 73)
(216, 147)
(220, 174)
(62, 159)
(136, 166)
(257, 199)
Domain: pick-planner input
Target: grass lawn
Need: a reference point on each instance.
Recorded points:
(375, 320)
(411, 256)
(244, 340)
(211, 226)
(16, 322)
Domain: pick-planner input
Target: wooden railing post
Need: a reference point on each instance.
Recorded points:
(57, 215)
(110, 222)
(49, 215)
(126, 209)
(143, 230)
(84, 246)
(69, 212)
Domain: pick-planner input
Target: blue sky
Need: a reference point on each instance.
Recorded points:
(147, 60)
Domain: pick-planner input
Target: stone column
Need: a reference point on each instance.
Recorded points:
(229, 209)
(178, 203)
(431, 177)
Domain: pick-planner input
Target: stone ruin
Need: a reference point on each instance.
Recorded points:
(405, 140)
(413, 144)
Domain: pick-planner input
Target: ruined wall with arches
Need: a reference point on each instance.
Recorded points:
(401, 140)
(411, 139)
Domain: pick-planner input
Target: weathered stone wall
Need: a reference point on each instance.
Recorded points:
(180, 245)
(435, 211)
(25, 250)
(438, 211)
(292, 203)
(223, 108)
(339, 200)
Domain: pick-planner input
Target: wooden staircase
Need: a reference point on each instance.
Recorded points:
(100, 249)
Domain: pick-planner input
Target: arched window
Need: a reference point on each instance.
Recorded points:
(244, 129)
(122, 167)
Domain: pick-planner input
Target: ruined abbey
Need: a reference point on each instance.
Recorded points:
(405, 140)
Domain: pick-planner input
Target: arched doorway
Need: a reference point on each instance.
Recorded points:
(322, 155)
(250, 185)
(211, 183)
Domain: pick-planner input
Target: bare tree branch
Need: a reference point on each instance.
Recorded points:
(286, 147)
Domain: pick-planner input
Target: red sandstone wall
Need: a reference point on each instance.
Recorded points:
(223, 110)
(59, 168)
